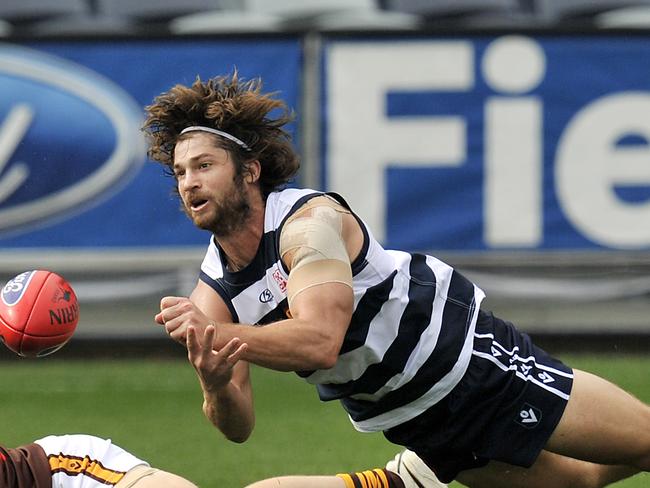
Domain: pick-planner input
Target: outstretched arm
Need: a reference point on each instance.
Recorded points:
(316, 245)
(224, 380)
(223, 376)
(310, 340)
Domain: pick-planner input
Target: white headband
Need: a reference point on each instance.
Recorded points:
(221, 133)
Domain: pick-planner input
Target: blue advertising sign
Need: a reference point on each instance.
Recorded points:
(492, 143)
(73, 165)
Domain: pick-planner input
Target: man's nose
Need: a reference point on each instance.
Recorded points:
(190, 180)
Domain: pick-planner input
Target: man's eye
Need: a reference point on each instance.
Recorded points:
(204, 165)
(178, 174)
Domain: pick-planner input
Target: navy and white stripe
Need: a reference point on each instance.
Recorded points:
(526, 368)
(411, 334)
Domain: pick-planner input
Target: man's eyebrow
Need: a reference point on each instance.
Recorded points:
(201, 155)
(196, 158)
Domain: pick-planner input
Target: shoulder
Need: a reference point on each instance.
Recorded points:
(281, 204)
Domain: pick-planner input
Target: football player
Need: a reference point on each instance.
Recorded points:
(80, 461)
(86, 461)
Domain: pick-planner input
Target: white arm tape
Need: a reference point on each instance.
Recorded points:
(319, 253)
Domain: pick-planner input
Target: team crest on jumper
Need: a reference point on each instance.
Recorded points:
(266, 296)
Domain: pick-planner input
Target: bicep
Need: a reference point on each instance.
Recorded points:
(328, 303)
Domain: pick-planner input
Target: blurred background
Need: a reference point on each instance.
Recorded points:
(507, 137)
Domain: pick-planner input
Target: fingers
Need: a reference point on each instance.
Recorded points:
(172, 311)
(230, 347)
(193, 343)
(170, 301)
(167, 311)
(238, 354)
(208, 338)
(198, 347)
(233, 351)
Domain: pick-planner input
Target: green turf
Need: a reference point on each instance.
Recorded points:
(153, 408)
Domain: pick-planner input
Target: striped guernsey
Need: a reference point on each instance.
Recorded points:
(411, 335)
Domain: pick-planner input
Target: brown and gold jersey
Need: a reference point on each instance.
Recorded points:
(24, 467)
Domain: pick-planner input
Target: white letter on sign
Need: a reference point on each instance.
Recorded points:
(590, 164)
(514, 66)
(363, 141)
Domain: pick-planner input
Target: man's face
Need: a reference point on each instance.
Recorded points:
(214, 196)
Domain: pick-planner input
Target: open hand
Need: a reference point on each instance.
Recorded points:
(213, 367)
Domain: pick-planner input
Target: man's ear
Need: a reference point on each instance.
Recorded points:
(253, 170)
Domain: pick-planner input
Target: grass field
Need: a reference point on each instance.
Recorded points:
(153, 408)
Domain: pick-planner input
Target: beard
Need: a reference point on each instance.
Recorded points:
(230, 212)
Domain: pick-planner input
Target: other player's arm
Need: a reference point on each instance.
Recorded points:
(223, 376)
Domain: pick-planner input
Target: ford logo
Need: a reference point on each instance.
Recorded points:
(69, 138)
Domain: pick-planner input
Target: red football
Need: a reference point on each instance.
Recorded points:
(38, 313)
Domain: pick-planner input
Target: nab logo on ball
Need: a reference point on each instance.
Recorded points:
(15, 288)
(39, 313)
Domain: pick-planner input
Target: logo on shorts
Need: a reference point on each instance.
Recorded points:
(545, 377)
(529, 416)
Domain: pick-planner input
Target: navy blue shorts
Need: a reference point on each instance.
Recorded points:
(505, 407)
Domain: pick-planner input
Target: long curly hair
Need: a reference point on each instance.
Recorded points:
(232, 105)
